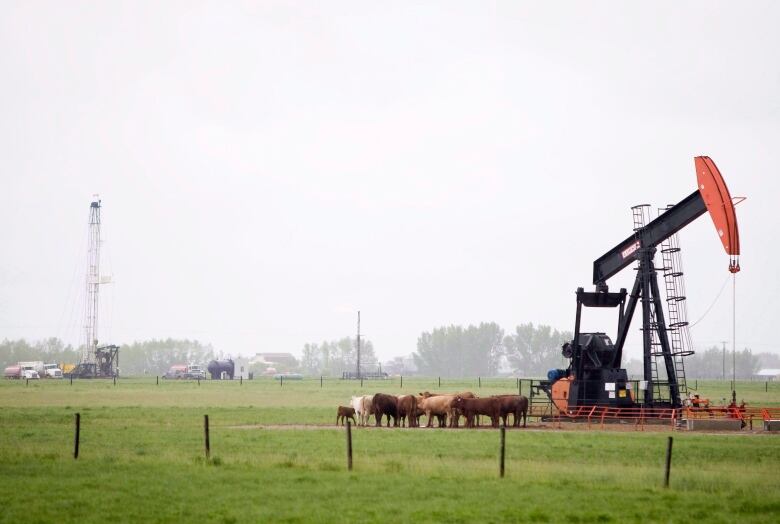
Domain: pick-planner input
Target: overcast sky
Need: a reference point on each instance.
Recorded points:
(268, 168)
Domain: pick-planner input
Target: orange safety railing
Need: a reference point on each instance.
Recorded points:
(603, 414)
(715, 412)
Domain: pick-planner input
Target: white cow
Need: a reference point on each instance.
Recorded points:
(367, 408)
(357, 404)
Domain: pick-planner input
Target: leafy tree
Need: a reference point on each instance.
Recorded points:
(709, 364)
(454, 351)
(147, 357)
(334, 357)
(532, 351)
(310, 362)
(48, 350)
(155, 357)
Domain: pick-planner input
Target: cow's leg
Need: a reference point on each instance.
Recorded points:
(378, 418)
(430, 420)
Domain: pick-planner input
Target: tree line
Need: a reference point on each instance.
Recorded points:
(447, 351)
(149, 357)
(334, 357)
(486, 350)
(532, 350)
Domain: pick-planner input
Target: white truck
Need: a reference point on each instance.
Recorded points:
(43, 370)
(52, 371)
(29, 370)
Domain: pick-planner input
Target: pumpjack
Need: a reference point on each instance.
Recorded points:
(594, 375)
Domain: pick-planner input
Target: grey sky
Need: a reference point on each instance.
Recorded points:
(268, 168)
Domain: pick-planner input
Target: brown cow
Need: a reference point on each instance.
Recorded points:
(344, 413)
(454, 414)
(407, 408)
(517, 405)
(419, 412)
(439, 406)
(385, 405)
(471, 407)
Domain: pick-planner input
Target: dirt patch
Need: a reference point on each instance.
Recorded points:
(543, 426)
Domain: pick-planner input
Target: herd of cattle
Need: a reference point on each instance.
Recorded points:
(445, 408)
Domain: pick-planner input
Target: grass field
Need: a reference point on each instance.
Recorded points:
(277, 458)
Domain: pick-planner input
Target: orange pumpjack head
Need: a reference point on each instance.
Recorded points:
(717, 198)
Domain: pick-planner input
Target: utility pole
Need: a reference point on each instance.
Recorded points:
(358, 347)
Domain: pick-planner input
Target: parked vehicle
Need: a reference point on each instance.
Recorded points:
(176, 371)
(195, 372)
(13, 372)
(288, 376)
(52, 371)
(36, 365)
(29, 372)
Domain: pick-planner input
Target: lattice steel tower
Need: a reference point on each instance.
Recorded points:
(93, 287)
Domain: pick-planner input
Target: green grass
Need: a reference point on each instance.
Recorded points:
(142, 459)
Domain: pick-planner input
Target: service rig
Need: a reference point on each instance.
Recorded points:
(594, 375)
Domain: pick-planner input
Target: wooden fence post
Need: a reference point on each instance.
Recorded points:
(158, 380)
(206, 435)
(78, 436)
(320, 380)
(439, 381)
(479, 381)
(503, 454)
(402, 381)
(349, 445)
(668, 462)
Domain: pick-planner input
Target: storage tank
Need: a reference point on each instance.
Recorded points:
(13, 372)
(219, 368)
